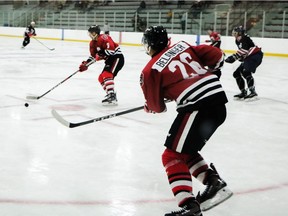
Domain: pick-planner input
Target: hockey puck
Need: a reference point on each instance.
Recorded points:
(26, 104)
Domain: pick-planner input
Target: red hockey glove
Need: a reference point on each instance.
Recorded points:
(83, 66)
(34, 34)
(147, 110)
(98, 58)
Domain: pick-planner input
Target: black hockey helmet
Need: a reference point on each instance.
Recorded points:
(94, 28)
(239, 30)
(155, 37)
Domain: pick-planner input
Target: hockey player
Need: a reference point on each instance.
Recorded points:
(215, 38)
(103, 47)
(250, 57)
(178, 73)
(29, 32)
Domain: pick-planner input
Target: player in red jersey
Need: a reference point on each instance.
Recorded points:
(215, 38)
(29, 32)
(181, 73)
(103, 47)
(250, 57)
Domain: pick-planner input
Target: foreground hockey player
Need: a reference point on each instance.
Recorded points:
(29, 32)
(250, 57)
(103, 47)
(178, 73)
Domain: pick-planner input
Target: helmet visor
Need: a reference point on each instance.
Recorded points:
(145, 45)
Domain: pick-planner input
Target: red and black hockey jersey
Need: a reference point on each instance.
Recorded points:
(104, 47)
(215, 36)
(179, 73)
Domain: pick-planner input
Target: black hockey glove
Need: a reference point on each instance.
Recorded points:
(231, 59)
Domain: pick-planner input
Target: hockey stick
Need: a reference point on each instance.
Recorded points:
(44, 44)
(72, 125)
(38, 97)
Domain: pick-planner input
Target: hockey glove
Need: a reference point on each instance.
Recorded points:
(147, 110)
(98, 58)
(231, 59)
(83, 66)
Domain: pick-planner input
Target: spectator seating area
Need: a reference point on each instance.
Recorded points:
(200, 16)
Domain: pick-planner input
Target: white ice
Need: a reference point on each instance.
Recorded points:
(113, 167)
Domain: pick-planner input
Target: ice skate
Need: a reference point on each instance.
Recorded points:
(110, 100)
(241, 96)
(216, 191)
(253, 95)
(191, 208)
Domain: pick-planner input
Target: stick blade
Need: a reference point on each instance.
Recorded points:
(52, 49)
(30, 97)
(60, 119)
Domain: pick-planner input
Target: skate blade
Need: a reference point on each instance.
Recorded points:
(221, 196)
(110, 104)
(255, 98)
(238, 99)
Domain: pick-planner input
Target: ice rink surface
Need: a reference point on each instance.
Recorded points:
(113, 167)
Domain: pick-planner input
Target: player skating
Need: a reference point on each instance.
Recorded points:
(178, 73)
(215, 38)
(103, 47)
(250, 57)
(29, 32)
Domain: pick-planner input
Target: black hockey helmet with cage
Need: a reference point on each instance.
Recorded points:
(239, 30)
(155, 37)
(94, 28)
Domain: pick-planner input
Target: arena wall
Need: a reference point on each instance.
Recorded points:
(270, 46)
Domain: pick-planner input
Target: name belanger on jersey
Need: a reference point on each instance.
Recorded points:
(169, 54)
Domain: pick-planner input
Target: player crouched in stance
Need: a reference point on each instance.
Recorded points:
(178, 73)
(250, 57)
(103, 47)
(29, 32)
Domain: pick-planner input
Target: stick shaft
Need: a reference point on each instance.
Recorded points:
(72, 125)
(38, 97)
(43, 44)
(57, 84)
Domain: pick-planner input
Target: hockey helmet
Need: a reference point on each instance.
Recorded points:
(32, 23)
(156, 38)
(94, 28)
(238, 31)
(94, 31)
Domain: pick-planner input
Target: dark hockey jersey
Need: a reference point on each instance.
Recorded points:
(246, 47)
(180, 73)
(30, 30)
